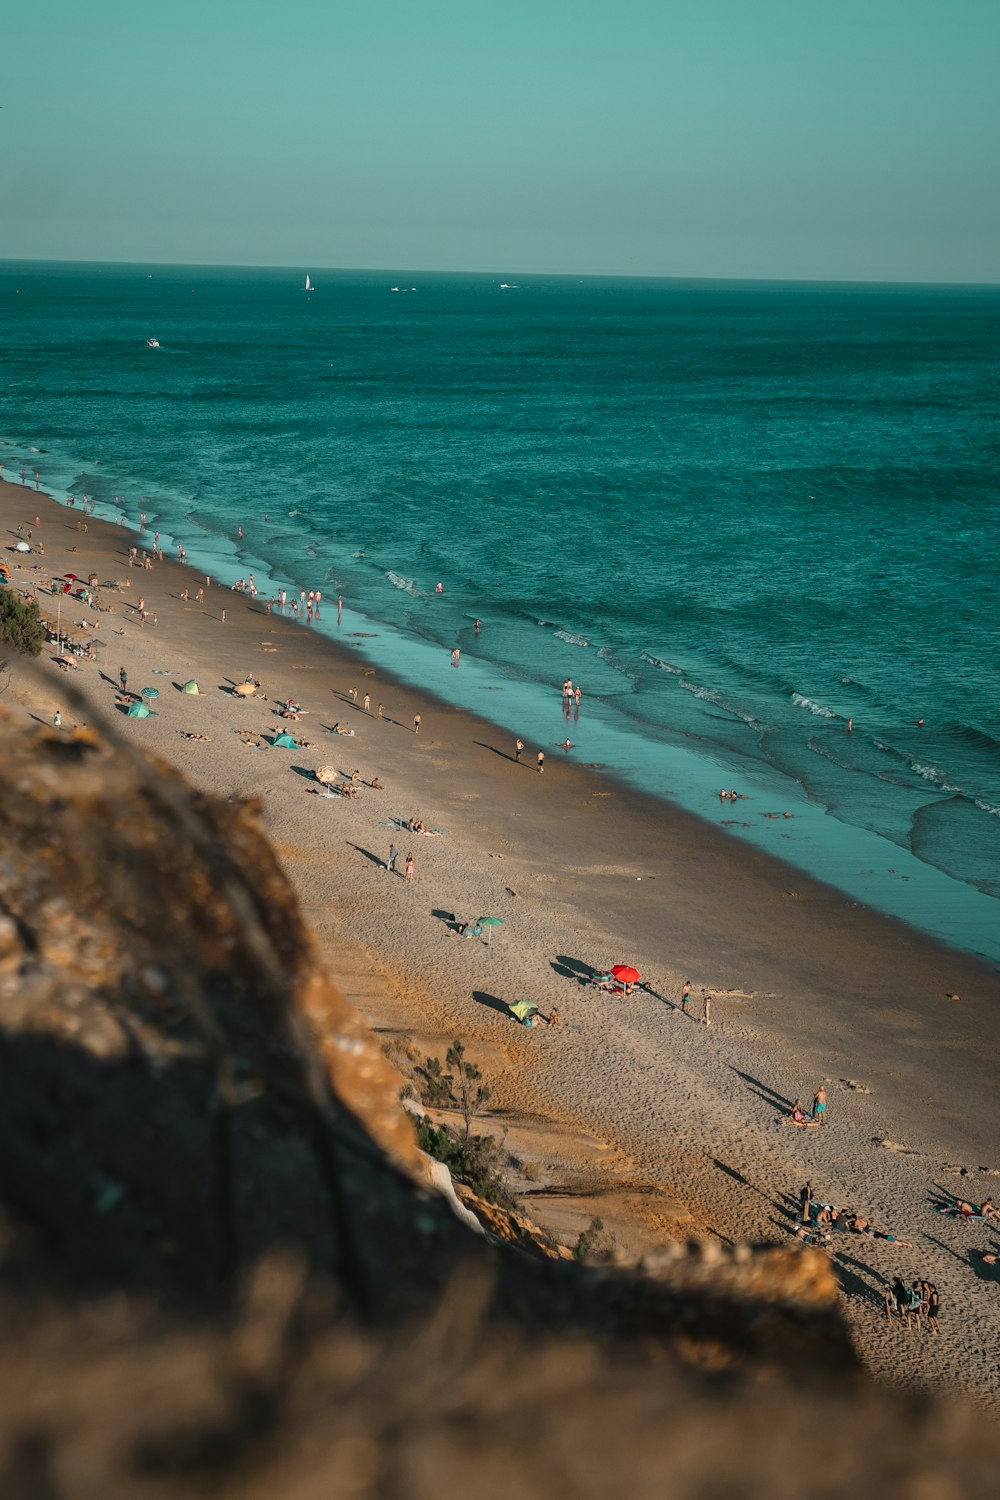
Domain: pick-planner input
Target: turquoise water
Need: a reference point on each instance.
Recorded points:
(737, 514)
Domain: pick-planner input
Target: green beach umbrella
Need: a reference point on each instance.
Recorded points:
(150, 692)
(192, 688)
(137, 711)
(522, 1009)
(489, 922)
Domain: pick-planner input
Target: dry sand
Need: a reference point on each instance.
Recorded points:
(629, 1110)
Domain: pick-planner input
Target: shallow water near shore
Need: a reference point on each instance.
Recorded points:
(738, 515)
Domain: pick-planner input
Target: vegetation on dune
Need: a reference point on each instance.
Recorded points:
(20, 624)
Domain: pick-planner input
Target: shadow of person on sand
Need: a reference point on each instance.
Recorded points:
(764, 1091)
(574, 968)
(492, 1002)
(853, 1283)
(502, 753)
(447, 917)
(376, 859)
(305, 771)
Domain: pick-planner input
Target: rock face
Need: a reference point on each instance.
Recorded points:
(197, 1130)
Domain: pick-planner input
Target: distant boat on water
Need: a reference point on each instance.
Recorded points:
(309, 285)
(153, 343)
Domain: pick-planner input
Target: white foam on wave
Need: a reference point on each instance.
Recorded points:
(935, 775)
(801, 701)
(571, 639)
(709, 695)
(406, 584)
(664, 666)
(987, 807)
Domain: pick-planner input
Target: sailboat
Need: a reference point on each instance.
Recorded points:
(309, 285)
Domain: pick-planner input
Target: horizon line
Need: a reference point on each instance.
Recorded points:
(551, 275)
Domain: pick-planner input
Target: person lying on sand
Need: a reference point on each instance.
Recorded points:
(189, 734)
(336, 729)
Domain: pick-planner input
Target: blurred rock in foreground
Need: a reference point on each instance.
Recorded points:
(224, 1269)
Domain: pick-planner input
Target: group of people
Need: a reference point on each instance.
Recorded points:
(919, 1299)
(817, 1221)
(817, 1115)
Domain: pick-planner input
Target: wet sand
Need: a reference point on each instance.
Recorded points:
(807, 986)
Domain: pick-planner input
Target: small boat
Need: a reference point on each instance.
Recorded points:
(153, 343)
(309, 286)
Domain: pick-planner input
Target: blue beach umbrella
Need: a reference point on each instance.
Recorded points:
(138, 711)
(150, 692)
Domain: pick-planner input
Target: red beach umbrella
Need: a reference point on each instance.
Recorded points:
(626, 974)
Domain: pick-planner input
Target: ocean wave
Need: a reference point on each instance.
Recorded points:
(708, 695)
(571, 639)
(936, 775)
(617, 663)
(664, 666)
(987, 807)
(801, 701)
(406, 584)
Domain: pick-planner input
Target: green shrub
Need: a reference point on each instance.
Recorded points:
(475, 1161)
(20, 625)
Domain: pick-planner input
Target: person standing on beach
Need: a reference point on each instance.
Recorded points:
(819, 1105)
(706, 1014)
(686, 996)
(57, 719)
(379, 711)
(340, 607)
(123, 678)
(390, 863)
(416, 723)
(805, 1203)
(368, 703)
(409, 867)
(518, 747)
(541, 761)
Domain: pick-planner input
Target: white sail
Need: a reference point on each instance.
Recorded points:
(309, 285)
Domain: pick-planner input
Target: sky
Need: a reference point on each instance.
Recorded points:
(722, 138)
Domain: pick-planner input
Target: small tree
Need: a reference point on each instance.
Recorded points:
(20, 625)
(471, 1095)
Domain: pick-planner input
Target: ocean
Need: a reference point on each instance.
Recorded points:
(757, 523)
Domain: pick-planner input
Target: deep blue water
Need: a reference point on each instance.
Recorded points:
(737, 513)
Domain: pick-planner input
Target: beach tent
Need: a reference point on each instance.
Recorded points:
(192, 688)
(523, 1010)
(284, 742)
(138, 711)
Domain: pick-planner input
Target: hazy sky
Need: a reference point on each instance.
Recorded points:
(775, 138)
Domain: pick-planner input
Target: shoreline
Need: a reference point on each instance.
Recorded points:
(679, 768)
(807, 984)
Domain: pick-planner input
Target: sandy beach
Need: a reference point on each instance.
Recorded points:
(630, 1109)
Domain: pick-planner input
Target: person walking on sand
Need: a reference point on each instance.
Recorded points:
(541, 761)
(518, 748)
(379, 711)
(706, 1014)
(686, 996)
(416, 723)
(819, 1105)
(409, 867)
(805, 1203)
(57, 719)
(390, 863)
(368, 703)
